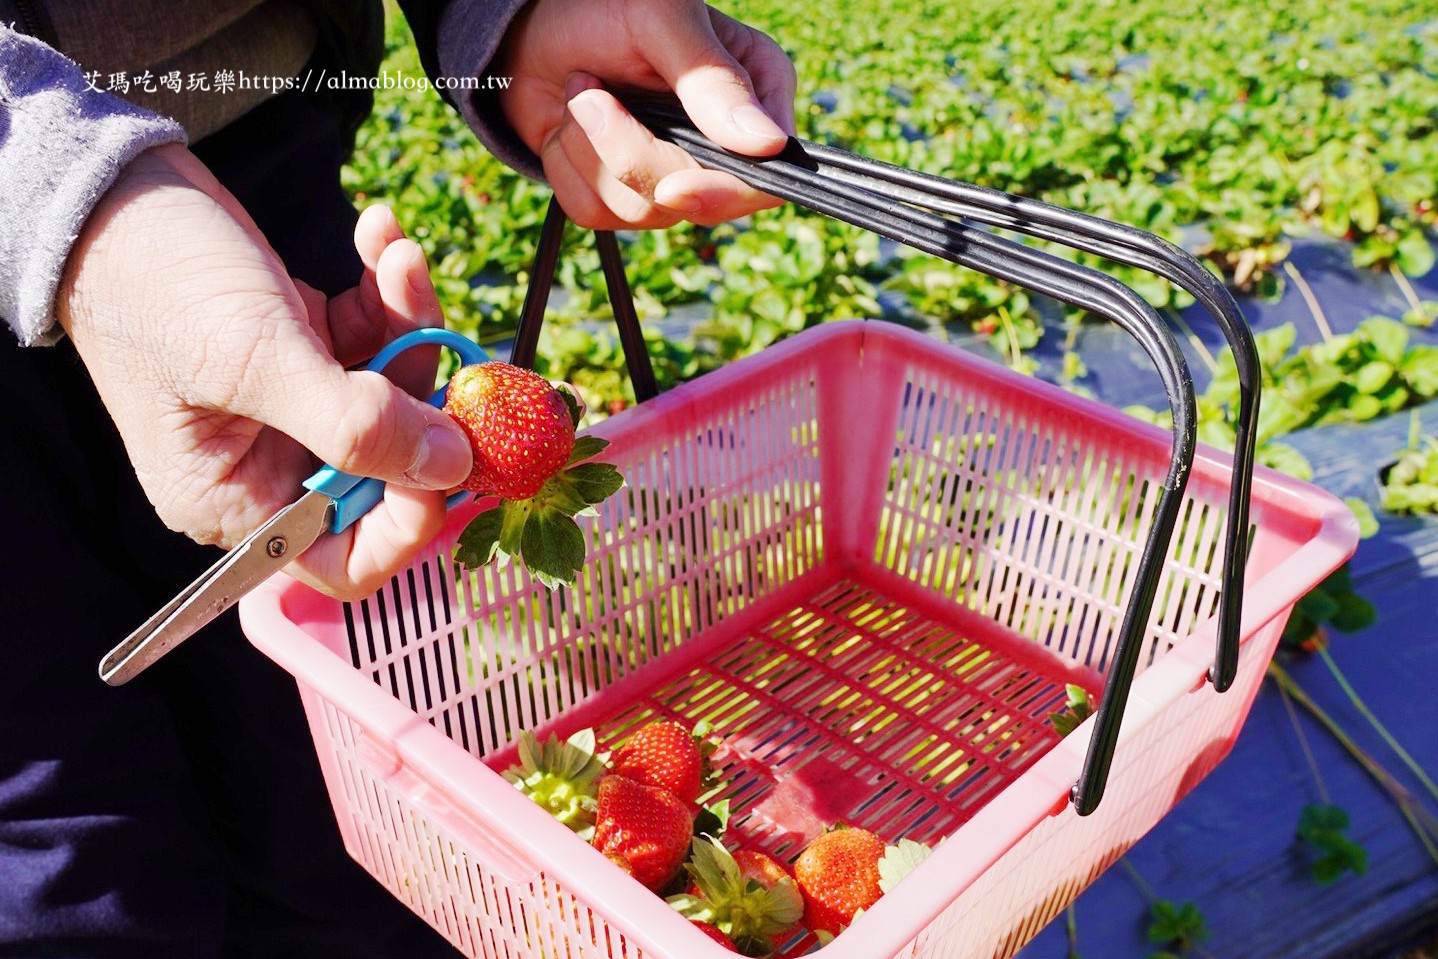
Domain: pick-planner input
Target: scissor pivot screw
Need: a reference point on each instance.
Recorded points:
(276, 547)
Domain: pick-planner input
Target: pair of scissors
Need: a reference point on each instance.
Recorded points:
(333, 501)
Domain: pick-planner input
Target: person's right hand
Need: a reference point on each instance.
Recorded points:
(223, 375)
(564, 58)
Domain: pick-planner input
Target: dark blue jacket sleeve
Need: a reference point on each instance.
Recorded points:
(459, 40)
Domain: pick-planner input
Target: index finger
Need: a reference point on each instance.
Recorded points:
(771, 72)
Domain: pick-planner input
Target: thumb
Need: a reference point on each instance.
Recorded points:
(714, 88)
(361, 423)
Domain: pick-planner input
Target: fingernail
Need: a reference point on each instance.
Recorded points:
(686, 204)
(418, 272)
(577, 82)
(756, 122)
(443, 459)
(588, 115)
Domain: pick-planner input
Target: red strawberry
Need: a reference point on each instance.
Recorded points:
(838, 873)
(748, 895)
(713, 932)
(648, 828)
(521, 430)
(518, 425)
(663, 754)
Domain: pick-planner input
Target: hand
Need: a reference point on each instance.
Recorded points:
(223, 375)
(607, 170)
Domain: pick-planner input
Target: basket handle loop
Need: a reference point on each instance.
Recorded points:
(621, 301)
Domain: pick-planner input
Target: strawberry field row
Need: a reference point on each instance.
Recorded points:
(1231, 130)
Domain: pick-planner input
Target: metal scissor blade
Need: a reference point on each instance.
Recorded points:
(268, 549)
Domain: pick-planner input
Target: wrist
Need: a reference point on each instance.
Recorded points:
(126, 228)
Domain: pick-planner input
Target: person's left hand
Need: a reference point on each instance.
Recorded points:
(607, 170)
(228, 381)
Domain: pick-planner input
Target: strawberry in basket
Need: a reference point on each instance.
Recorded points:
(639, 808)
(666, 754)
(645, 817)
(844, 871)
(747, 895)
(646, 828)
(521, 431)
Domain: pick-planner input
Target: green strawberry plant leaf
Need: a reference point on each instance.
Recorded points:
(1415, 253)
(899, 860)
(561, 777)
(596, 482)
(1180, 925)
(1424, 315)
(1286, 459)
(1323, 827)
(1354, 613)
(745, 910)
(1373, 377)
(1420, 367)
(564, 498)
(1273, 346)
(693, 907)
(572, 400)
(1410, 482)
(712, 820)
(541, 531)
(552, 547)
(1332, 602)
(1389, 339)
(514, 516)
(1367, 522)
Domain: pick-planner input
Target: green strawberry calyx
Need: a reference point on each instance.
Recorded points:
(712, 820)
(745, 910)
(899, 860)
(561, 776)
(708, 743)
(1078, 707)
(541, 531)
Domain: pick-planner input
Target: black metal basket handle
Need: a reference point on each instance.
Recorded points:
(914, 208)
(621, 301)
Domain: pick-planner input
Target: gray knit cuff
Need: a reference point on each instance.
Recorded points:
(62, 144)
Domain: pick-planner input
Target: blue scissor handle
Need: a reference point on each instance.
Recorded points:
(355, 496)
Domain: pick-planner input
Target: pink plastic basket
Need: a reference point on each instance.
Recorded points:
(872, 562)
